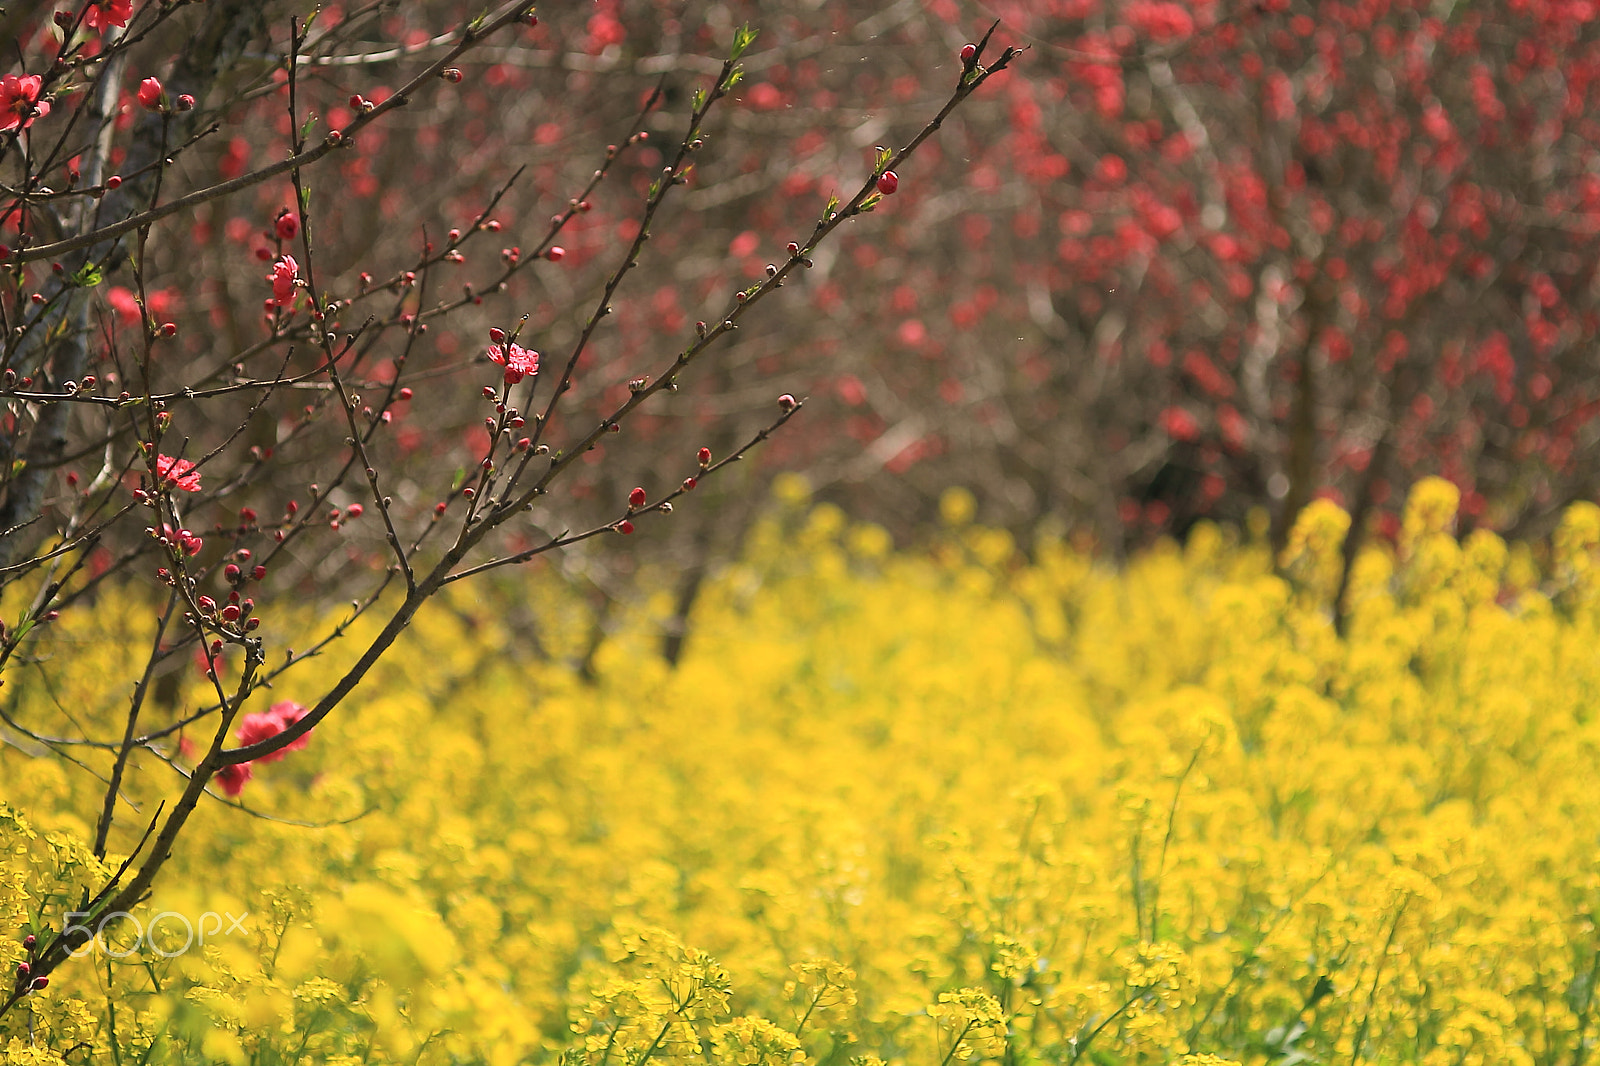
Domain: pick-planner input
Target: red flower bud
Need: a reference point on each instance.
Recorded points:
(689, 483)
(968, 52)
(230, 613)
(497, 334)
(40, 983)
(287, 226)
(624, 527)
(405, 394)
(555, 253)
(150, 94)
(704, 457)
(451, 75)
(636, 498)
(258, 573)
(888, 182)
(787, 402)
(355, 510)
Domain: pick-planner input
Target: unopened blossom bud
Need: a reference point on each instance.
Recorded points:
(555, 253)
(231, 572)
(23, 969)
(169, 329)
(439, 508)
(793, 248)
(287, 226)
(451, 75)
(405, 394)
(151, 94)
(258, 573)
(624, 527)
(636, 498)
(689, 483)
(888, 182)
(40, 983)
(207, 604)
(787, 402)
(703, 457)
(29, 941)
(230, 613)
(969, 52)
(355, 510)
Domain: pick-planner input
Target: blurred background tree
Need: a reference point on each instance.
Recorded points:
(1201, 259)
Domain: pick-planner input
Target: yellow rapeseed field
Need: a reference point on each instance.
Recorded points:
(957, 805)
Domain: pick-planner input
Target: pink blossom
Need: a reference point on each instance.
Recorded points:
(233, 778)
(179, 473)
(103, 14)
(517, 360)
(254, 728)
(19, 101)
(125, 304)
(285, 273)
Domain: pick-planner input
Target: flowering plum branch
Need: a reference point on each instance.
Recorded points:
(180, 424)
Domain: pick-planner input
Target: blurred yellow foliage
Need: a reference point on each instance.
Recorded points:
(956, 805)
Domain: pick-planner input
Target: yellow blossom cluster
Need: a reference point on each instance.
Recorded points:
(963, 804)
